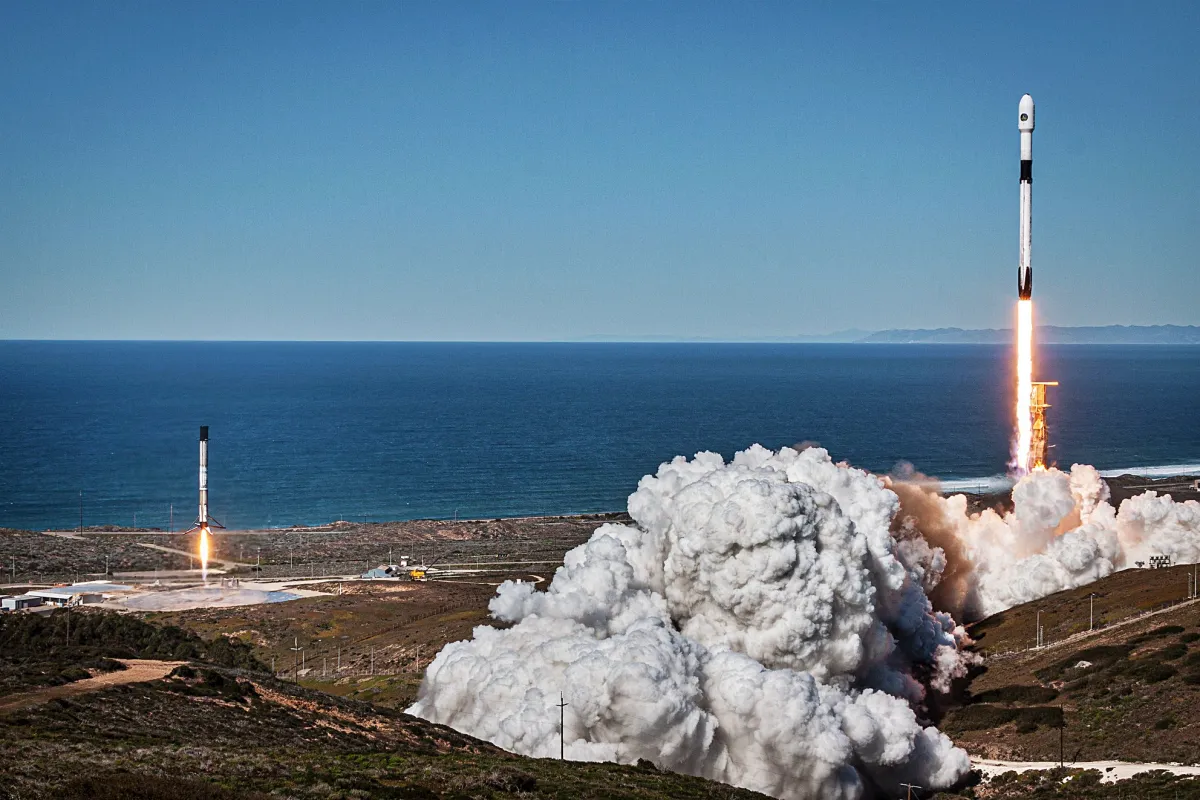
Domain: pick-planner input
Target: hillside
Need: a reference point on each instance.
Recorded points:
(208, 732)
(1129, 691)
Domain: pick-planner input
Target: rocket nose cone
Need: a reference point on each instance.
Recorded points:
(1025, 113)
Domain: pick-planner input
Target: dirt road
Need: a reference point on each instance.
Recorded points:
(136, 671)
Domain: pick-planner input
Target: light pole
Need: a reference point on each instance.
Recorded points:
(1092, 611)
(1039, 628)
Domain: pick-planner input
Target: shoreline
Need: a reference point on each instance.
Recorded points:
(1183, 485)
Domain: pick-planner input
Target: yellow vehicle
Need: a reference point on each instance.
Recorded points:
(417, 574)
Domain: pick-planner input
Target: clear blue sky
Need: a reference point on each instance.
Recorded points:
(535, 171)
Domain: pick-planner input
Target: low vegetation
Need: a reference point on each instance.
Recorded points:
(1129, 691)
(64, 646)
(1075, 784)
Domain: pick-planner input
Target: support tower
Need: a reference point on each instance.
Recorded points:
(1037, 409)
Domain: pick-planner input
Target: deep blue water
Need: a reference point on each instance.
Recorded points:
(311, 432)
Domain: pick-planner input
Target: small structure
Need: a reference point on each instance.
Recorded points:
(20, 602)
(63, 596)
(382, 572)
(1160, 562)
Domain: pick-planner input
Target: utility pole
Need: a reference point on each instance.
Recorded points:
(296, 648)
(1092, 611)
(339, 666)
(372, 659)
(81, 510)
(171, 517)
(1039, 628)
(14, 569)
(910, 787)
(562, 727)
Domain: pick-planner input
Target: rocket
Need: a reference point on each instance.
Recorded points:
(203, 521)
(1024, 267)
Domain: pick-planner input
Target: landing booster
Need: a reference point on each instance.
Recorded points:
(203, 520)
(1024, 267)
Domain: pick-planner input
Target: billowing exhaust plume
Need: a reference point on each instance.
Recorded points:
(776, 621)
(758, 625)
(1062, 533)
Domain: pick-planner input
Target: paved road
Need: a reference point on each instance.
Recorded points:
(136, 671)
(1111, 770)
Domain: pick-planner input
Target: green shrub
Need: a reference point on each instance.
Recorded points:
(1152, 671)
(982, 717)
(1172, 652)
(135, 786)
(1165, 630)
(1016, 694)
(73, 673)
(102, 634)
(1030, 719)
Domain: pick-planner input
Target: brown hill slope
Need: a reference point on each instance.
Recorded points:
(1129, 690)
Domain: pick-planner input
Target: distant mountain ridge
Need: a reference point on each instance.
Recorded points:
(1046, 334)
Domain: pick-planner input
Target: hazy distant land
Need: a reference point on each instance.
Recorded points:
(1046, 334)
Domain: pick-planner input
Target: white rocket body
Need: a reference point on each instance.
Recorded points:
(202, 519)
(1025, 266)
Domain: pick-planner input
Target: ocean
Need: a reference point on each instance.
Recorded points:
(307, 433)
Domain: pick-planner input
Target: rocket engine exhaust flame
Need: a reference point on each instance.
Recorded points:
(1024, 412)
(203, 552)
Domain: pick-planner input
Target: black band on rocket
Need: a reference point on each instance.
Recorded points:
(1027, 171)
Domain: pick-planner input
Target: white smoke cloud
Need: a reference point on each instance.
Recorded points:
(767, 622)
(756, 625)
(1062, 533)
